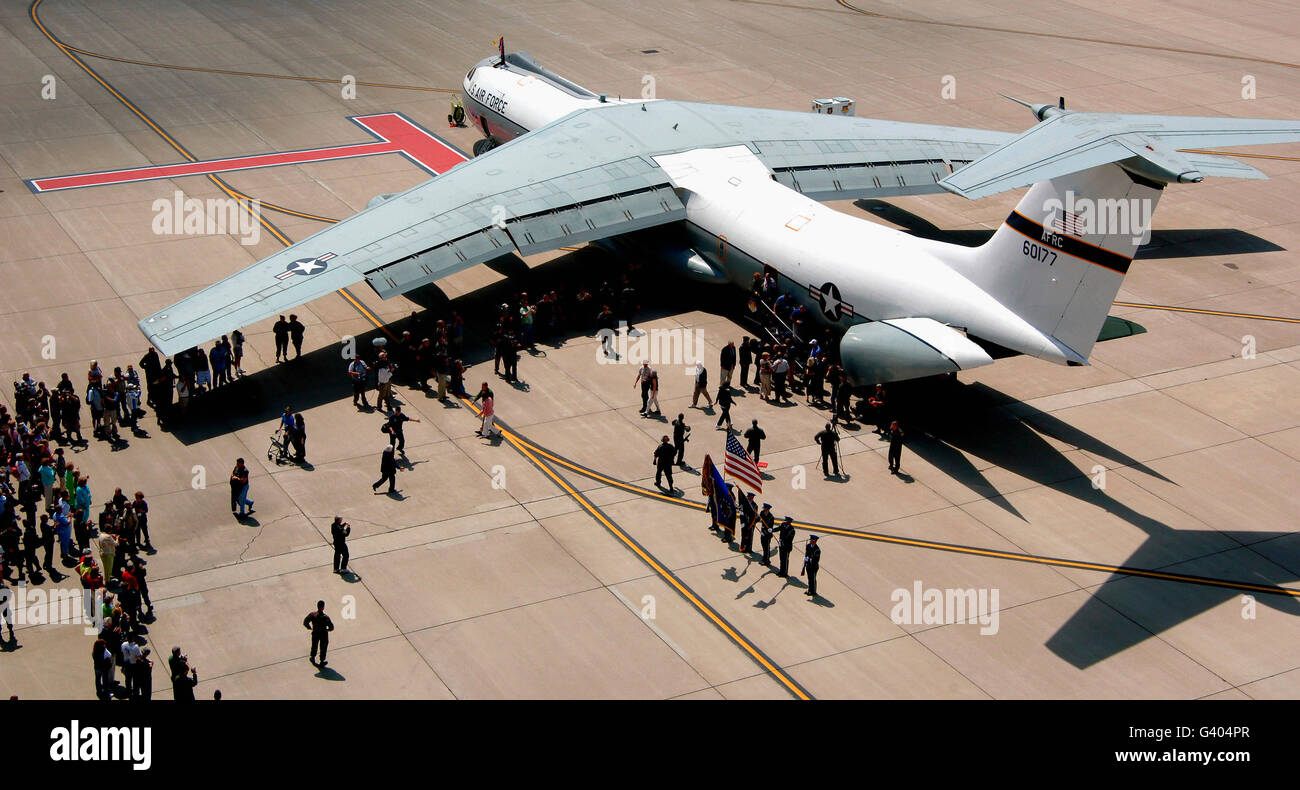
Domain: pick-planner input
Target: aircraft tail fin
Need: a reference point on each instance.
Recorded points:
(1059, 258)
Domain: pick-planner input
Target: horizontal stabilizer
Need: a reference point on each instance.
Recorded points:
(1146, 145)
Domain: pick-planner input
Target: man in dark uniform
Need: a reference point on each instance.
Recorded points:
(339, 532)
(281, 332)
(895, 446)
(681, 435)
(754, 440)
(295, 333)
(748, 517)
(812, 557)
(766, 528)
(827, 439)
(320, 626)
(663, 459)
(786, 535)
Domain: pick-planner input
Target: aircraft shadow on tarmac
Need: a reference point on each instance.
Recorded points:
(949, 422)
(317, 377)
(1182, 243)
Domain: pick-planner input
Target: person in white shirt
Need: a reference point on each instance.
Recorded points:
(384, 375)
(131, 656)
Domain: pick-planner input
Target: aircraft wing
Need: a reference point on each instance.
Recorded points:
(1152, 145)
(586, 176)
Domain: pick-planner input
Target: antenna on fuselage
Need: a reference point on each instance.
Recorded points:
(501, 47)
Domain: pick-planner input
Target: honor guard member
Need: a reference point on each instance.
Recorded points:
(827, 439)
(895, 446)
(754, 440)
(786, 535)
(748, 517)
(766, 528)
(681, 435)
(812, 557)
(729, 523)
(663, 460)
(320, 626)
(339, 532)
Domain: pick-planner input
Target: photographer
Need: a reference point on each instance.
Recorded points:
(339, 532)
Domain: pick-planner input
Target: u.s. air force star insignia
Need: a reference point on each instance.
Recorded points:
(306, 266)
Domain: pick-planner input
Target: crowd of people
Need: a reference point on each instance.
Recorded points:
(47, 507)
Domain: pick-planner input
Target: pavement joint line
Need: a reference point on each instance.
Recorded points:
(359, 544)
(667, 575)
(938, 545)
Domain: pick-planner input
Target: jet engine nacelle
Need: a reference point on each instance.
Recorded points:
(906, 348)
(693, 266)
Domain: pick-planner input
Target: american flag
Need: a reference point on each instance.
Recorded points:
(740, 466)
(1068, 222)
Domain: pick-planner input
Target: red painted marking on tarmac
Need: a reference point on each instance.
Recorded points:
(396, 134)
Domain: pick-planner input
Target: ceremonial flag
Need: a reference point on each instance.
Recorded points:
(721, 506)
(740, 466)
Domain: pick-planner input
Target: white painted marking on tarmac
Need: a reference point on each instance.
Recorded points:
(659, 631)
(180, 602)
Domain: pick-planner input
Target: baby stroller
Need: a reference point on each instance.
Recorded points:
(279, 449)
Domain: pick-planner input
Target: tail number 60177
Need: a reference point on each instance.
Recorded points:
(1038, 252)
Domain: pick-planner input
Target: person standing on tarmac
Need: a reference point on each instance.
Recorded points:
(339, 532)
(766, 530)
(754, 440)
(663, 460)
(681, 435)
(786, 536)
(827, 438)
(895, 447)
(281, 333)
(812, 557)
(748, 518)
(320, 626)
(643, 375)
